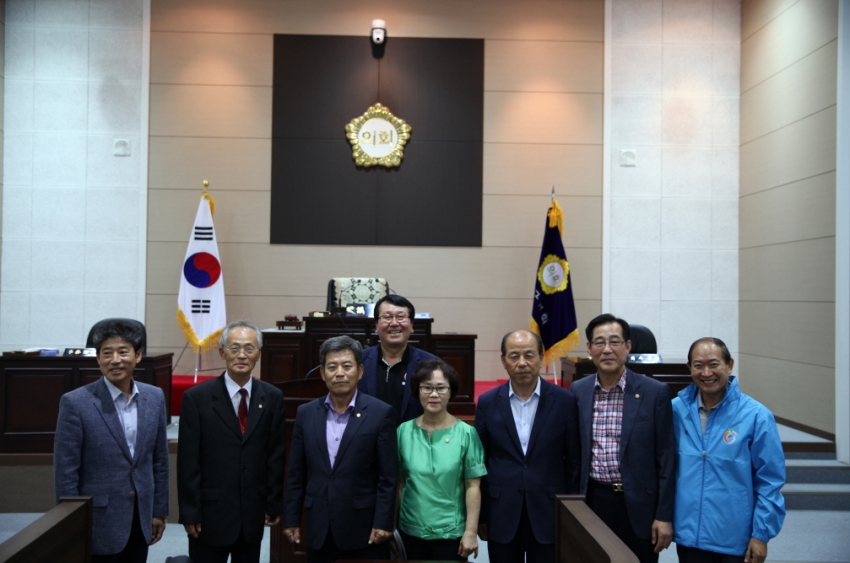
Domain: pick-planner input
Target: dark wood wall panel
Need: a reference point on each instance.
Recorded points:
(319, 196)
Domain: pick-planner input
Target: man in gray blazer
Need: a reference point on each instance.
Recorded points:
(628, 454)
(110, 444)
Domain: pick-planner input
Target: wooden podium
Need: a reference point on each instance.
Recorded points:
(288, 355)
(31, 386)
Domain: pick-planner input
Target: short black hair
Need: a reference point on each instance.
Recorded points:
(338, 344)
(123, 330)
(604, 319)
(724, 350)
(536, 336)
(398, 301)
(427, 368)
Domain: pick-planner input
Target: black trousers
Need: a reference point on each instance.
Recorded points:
(610, 506)
(431, 550)
(330, 552)
(524, 547)
(240, 551)
(136, 550)
(694, 555)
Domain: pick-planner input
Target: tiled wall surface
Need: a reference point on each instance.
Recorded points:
(211, 76)
(674, 215)
(788, 188)
(73, 232)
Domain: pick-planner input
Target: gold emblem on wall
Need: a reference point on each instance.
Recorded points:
(377, 137)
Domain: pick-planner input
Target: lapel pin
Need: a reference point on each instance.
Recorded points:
(637, 395)
(261, 406)
(358, 415)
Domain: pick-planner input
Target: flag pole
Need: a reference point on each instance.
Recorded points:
(553, 193)
(197, 364)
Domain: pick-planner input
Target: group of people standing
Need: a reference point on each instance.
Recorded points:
(381, 452)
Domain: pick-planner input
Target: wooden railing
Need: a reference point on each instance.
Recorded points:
(62, 534)
(582, 537)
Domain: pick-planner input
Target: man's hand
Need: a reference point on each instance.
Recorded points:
(756, 551)
(482, 532)
(468, 544)
(292, 534)
(157, 527)
(272, 521)
(379, 536)
(193, 530)
(662, 534)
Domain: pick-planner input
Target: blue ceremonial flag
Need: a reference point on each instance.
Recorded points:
(553, 314)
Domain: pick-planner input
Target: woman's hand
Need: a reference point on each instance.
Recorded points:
(468, 544)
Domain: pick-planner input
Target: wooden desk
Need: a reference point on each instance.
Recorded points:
(31, 386)
(290, 354)
(676, 375)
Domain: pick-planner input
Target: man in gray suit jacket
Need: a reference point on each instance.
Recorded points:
(628, 454)
(110, 444)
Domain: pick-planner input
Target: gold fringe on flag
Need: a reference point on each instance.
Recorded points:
(199, 346)
(559, 349)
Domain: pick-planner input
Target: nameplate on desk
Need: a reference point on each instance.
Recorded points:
(645, 359)
(89, 352)
(358, 309)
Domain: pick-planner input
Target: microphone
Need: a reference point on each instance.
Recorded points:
(312, 370)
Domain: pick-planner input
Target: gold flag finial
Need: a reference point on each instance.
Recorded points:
(206, 195)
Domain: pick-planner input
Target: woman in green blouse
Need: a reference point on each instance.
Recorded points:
(441, 462)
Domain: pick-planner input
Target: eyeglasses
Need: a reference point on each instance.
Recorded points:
(427, 390)
(400, 318)
(234, 350)
(614, 343)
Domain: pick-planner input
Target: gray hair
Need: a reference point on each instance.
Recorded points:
(338, 344)
(222, 342)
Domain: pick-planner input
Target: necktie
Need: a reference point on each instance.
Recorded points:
(243, 410)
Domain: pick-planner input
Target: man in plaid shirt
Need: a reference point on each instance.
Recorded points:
(628, 454)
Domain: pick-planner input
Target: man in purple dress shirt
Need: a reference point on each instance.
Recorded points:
(342, 464)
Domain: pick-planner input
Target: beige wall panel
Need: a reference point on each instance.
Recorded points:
(490, 319)
(798, 91)
(161, 314)
(211, 58)
(241, 216)
(526, 117)
(532, 169)
(798, 392)
(490, 272)
(798, 31)
(797, 211)
(755, 14)
(543, 66)
(788, 331)
(801, 150)
(211, 111)
(520, 221)
(181, 163)
(576, 20)
(794, 271)
(257, 269)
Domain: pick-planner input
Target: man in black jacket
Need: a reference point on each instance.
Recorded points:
(231, 455)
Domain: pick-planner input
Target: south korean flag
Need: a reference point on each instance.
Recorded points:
(200, 303)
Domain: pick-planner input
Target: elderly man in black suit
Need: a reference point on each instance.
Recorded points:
(230, 459)
(628, 452)
(342, 464)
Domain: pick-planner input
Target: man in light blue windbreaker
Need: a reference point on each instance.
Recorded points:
(730, 465)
